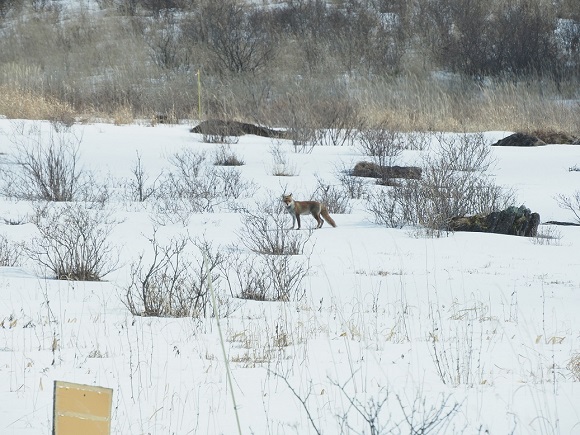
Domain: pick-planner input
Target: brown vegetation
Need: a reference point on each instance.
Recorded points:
(305, 65)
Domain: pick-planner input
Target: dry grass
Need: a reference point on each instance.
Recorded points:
(574, 366)
(101, 68)
(419, 104)
(409, 104)
(21, 104)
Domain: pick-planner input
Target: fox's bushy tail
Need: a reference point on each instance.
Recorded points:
(326, 216)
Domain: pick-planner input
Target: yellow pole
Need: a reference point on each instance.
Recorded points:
(199, 95)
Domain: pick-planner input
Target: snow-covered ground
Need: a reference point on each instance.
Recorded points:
(466, 333)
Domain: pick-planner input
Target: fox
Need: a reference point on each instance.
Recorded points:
(315, 208)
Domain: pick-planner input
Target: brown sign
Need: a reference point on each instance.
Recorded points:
(81, 409)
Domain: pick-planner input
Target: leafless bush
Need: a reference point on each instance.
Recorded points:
(547, 235)
(266, 277)
(264, 231)
(468, 152)
(244, 279)
(432, 201)
(334, 197)
(138, 185)
(223, 138)
(419, 417)
(354, 187)
(453, 183)
(45, 166)
(193, 186)
(336, 121)
(370, 411)
(10, 252)
(425, 418)
(295, 114)
(224, 156)
(417, 140)
(72, 241)
(281, 166)
(570, 203)
(384, 145)
(172, 284)
(166, 51)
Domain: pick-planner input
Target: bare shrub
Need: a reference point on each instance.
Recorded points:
(336, 121)
(266, 277)
(166, 51)
(45, 166)
(421, 416)
(281, 165)
(139, 187)
(547, 235)
(468, 152)
(384, 145)
(10, 252)
(172, 284)
(296, 116)
(73, 241)
(264, 231)
(353, 187)
(417, 140)
(224, 156)
(424, 418)
(453, 183)
(334, 197)
(223, 138)
(570, 203)
(193, 186)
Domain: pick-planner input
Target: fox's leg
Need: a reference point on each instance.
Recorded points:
(319, 220)
(298, 219)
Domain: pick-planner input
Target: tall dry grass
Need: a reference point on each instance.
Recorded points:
(105, 67)
(454, 104)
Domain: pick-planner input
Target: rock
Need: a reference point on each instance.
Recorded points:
(515, 221)
(519, 140)
(218, 127)
(372, 170)
(555, 137)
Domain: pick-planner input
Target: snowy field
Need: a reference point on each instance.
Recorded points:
(394, 332)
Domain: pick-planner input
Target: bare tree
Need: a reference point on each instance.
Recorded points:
(238, 38)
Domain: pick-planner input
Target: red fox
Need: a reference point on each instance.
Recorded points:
(297, 208)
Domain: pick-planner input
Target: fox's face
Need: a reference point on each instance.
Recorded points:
(287, 199)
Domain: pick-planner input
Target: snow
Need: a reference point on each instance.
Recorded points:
(383, 309)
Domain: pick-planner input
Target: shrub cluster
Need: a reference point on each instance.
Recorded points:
(454, 182)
